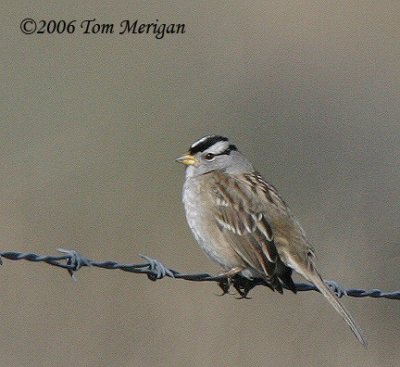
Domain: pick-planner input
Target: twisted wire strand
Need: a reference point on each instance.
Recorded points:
(72, 261)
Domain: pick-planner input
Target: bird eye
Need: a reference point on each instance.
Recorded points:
(209, 156)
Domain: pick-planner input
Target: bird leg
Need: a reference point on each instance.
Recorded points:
(225, 284)
(243, 286)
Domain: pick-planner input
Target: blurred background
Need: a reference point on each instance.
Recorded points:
(89, 130)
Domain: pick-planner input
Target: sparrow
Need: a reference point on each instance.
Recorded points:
(242, 223)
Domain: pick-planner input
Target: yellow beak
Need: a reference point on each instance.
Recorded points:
(188, 160)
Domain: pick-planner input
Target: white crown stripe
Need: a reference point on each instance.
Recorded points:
(202, 140)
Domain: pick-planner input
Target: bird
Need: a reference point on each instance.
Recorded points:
(242, 223)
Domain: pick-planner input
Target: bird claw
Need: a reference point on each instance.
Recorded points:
(243, 286)
(224, 284)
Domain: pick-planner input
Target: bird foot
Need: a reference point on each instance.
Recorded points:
(225, 285)
(243, 287)
(241, 284)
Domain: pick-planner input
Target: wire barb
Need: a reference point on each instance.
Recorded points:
(72, 261)
(75, 261)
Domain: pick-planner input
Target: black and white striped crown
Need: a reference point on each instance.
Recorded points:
(208, 141)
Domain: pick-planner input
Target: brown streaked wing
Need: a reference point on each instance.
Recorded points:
(246, 226)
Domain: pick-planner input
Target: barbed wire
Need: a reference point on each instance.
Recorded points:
(72, 261)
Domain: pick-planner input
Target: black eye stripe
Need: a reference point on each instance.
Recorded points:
(228, 150)
(225, 152)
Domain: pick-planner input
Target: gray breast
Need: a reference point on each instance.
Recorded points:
(203, 225)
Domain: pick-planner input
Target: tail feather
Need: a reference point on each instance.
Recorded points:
(314, 277)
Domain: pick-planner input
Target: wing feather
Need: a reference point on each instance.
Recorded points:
(240, 213)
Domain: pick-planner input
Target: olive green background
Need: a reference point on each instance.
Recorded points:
(89, 130)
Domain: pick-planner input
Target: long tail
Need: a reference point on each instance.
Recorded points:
(314, 277)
